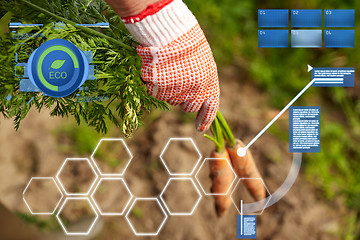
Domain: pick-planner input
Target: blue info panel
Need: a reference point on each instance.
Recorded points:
(333, 77)
(306, 38)
(273, 38)
(306, 18)
(339, 18)
(273, 18)
(339, 38)
(304, 129)
(246, 226)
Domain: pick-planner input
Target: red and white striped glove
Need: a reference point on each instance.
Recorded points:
(177, 63)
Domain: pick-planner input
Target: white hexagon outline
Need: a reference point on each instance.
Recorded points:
(146, 233)
(127, 149)
(76, 159)
(216, 194)
(77, 233)
(43, 178)
(97, 206)
(264, 204)
(196, 164)
(180, 213)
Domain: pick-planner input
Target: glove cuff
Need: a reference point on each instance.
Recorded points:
(161, 23)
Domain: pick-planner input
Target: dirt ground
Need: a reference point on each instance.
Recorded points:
(32, 151)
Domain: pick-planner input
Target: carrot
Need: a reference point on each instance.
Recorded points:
(245, 167)
(222, 177)
(220, 173)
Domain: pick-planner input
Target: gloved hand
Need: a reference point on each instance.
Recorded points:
(177, 63)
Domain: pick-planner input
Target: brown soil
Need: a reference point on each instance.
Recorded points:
(33, 151)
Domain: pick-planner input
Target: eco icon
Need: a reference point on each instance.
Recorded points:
(56, 64)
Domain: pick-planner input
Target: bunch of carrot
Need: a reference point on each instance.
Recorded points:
(220, 173)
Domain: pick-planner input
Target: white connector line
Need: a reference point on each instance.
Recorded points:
(241, 222)
(329, 82)
(328, 79)
(279, 114)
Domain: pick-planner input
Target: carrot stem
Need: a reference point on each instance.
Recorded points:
(218, 136)
(217, 145)
(228, 135)
(221, 130)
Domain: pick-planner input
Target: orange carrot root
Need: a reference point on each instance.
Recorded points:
(222, 177)
(245, 167)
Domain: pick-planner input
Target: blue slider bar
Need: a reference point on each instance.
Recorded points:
(101, 25)
(17, 25)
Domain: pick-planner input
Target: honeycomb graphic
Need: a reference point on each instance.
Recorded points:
(88, 196)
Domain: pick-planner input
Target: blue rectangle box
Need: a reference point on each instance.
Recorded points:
(306, 38)
(273, 38)
(339, 38)
(306, 18)
(304, 129)
(273, 18)
(27, 86)
(339, 18)
(333, 77)
(246, 226)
